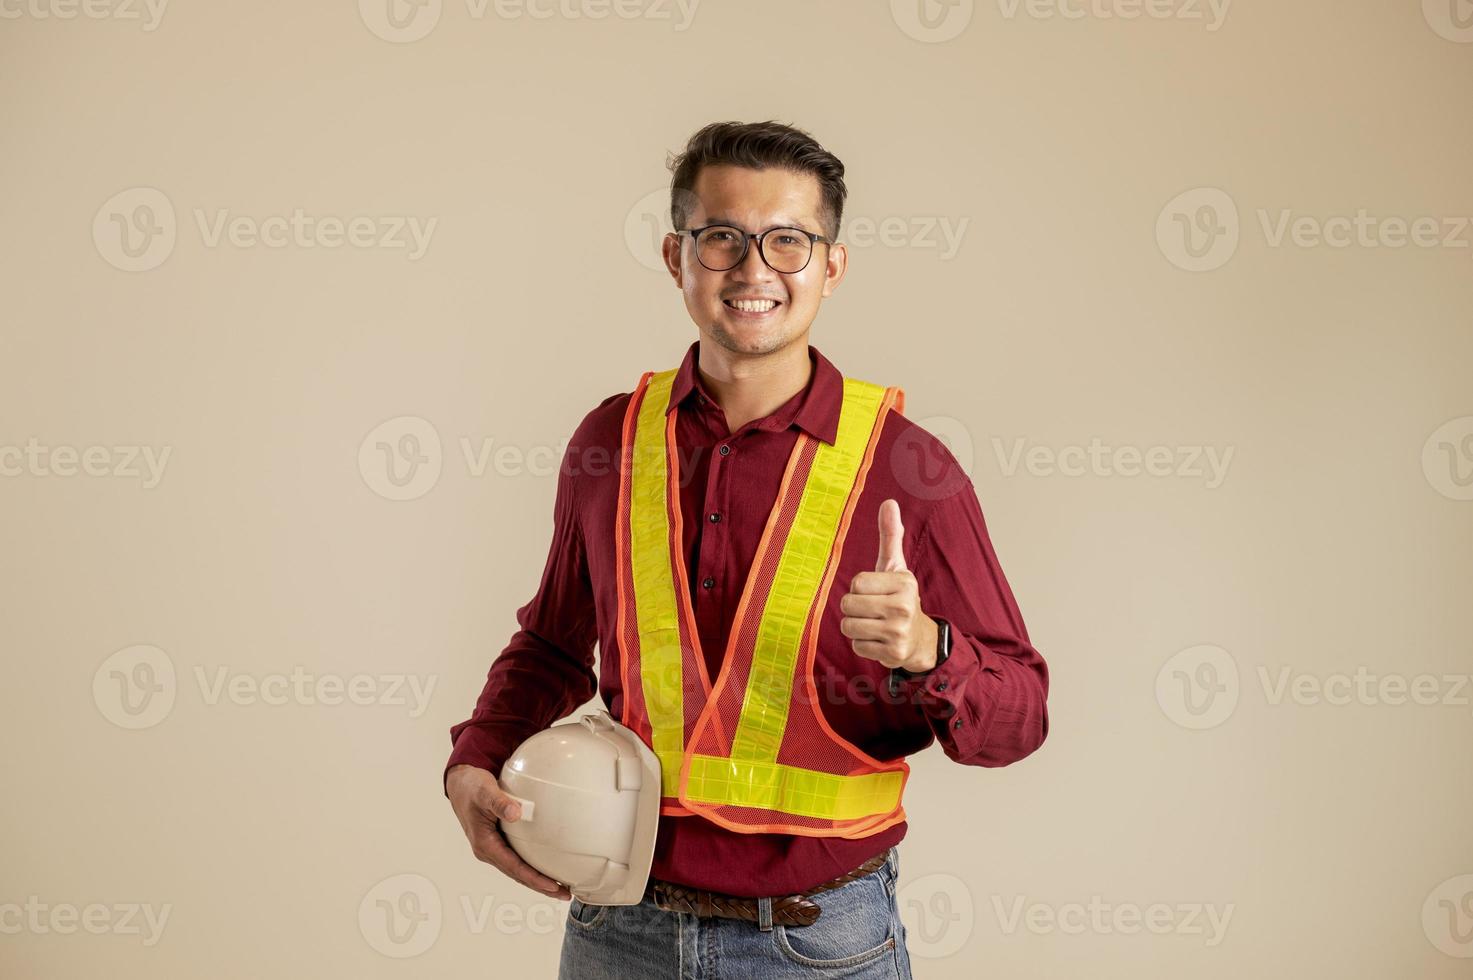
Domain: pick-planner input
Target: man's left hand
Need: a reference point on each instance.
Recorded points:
(882, 610)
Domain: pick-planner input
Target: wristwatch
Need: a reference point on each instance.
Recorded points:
(943, 650)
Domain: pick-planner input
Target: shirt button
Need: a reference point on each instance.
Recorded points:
(725, 450)
(940, 685)
(715, 518)
(957, 723)
(708, 583)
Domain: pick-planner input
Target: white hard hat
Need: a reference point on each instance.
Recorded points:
(590, 796)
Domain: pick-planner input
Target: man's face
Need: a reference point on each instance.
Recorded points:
(754, 200)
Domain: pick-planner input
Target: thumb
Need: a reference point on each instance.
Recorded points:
(501, 804)
(891, 533)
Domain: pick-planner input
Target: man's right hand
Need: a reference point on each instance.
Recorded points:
(480, 805)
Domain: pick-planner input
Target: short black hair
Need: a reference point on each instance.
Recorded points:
(757, 146)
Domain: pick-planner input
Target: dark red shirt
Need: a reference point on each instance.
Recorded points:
(986, 704)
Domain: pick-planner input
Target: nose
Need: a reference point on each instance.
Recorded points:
(752, 268)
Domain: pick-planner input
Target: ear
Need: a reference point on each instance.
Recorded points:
(838, 263)
(670, 252)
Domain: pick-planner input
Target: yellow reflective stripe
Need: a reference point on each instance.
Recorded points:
(798, 576)
(656, 612)
(789, 789)
(670, 763)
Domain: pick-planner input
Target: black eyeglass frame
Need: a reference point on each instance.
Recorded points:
(747, 237)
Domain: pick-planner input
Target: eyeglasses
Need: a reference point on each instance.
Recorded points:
(723, 247)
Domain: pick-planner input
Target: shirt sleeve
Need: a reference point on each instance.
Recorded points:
(547, 670)
(987, 704)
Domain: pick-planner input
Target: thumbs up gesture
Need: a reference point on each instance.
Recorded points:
(882, 610)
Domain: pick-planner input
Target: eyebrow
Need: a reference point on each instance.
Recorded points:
(722, 219)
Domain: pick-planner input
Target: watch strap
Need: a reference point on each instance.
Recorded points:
(943, 651)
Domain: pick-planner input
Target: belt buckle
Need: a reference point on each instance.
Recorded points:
(796, 910)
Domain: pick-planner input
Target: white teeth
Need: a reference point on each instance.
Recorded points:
(752, 305)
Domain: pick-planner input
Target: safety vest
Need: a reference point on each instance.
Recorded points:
(753, 753)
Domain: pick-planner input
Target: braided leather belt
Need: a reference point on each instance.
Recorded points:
(789, 910)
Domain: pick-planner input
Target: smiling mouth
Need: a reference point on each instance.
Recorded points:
(752, 307)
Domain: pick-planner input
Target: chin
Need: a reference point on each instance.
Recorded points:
(748, 339)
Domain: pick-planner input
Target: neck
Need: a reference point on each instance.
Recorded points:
(750, 388)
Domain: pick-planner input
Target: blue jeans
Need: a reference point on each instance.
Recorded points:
(858, 936)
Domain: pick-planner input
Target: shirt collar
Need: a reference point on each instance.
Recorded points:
(815, 409)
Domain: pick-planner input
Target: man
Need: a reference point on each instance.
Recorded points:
(912, 631)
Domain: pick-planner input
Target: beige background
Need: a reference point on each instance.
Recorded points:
(276, 834)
